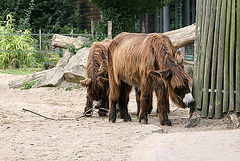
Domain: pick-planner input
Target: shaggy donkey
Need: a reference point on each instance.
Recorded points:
(97, 78)
(145, 61)
(179, 60)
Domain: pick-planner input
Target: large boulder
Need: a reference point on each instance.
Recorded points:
(52, 78)
(62, 41)
(70, 67)
(74, 71)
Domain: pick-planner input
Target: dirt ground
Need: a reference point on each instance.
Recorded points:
(25, 136)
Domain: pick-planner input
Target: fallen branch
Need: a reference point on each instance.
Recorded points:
(64, 119)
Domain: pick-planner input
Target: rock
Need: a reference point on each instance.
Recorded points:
(235, 119)
(64, 60)
(74, 71)
(62, 41)
(79, 41)
(193, 120)
(20, 82)
(52, 78)
(157, 130)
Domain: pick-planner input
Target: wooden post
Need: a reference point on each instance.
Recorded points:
(92, 28)
(197, 55)
(142, 24)
(146, 19)
(231, 58)
(40, 39)
(71, 33)
(110, 29)
(226, 60)
(203, 51)
(218, 103)
(214, 61)
(208, 60)
(238, 59)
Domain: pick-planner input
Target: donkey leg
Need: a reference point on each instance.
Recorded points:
(163, 110)
(163, 105)
(89, 105)
(150, 104)
(112, 110)
(138, 94)
(123, 101)
(144, 104)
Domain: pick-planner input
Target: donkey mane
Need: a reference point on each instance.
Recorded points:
(165, 57)
(96, 55)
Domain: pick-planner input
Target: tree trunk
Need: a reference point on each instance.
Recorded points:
(183, 36)
(62, 41)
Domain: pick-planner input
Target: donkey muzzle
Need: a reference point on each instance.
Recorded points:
(97, 104)
(188, 100)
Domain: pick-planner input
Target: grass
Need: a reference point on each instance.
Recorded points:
(29, 84)
(21, 71)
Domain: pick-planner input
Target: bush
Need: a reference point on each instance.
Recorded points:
(13, 40)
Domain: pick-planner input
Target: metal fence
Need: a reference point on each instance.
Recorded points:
(43, 42)
(43, 45)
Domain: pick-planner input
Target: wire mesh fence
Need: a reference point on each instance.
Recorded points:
(44, 52)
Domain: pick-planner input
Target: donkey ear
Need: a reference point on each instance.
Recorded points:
(165, 74)
(102, 80)
(103, 68)
(179, 59)
(86, 82)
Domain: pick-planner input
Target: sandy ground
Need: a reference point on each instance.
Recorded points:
(25, 136)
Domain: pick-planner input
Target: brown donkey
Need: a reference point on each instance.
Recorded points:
(97, 78)
(145, 61)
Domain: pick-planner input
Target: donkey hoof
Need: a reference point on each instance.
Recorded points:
(102, 113)
(127, 118)
(166, 122)
(112, 120)
(143, 121)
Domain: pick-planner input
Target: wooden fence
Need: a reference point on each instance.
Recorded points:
(217, 59)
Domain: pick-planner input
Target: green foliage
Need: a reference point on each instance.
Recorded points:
(124, 14)
(47, 15)
(28, 85)
(21, 71)
(72, 48)
(69, 89)
(54, 58)
(21, 41)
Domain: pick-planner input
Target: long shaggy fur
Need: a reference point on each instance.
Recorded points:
(131, 57)
(97, 74)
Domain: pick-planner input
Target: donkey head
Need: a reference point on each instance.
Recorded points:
(177, 84)
(96, 89)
